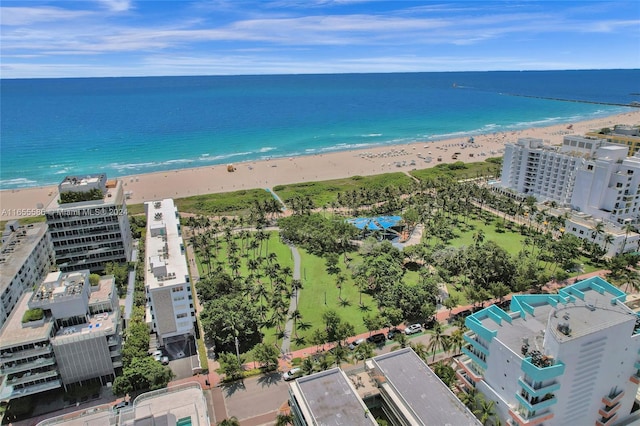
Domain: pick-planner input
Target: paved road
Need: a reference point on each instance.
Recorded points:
(255, 396)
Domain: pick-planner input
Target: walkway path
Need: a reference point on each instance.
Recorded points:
(293, 304)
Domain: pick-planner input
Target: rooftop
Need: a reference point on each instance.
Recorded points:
(578, 310)
(166, 262)
(58, 285)
(17, 245)
(329, 399)
(113, 196)
(103, 291)
(13, 333)
(418, 392)
(162, 407)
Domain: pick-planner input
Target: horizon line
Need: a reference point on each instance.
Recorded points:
(320, 73)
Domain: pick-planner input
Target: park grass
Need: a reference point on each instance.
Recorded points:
(325, 192)
(223, 203)
(316, 284)
(459, 170)
(509, 240)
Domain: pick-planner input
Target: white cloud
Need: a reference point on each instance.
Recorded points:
(21, 16)
(116, 5)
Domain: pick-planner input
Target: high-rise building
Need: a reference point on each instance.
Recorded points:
(590, 176)
(66, 331)
(398, 385)
(628, 136)
(557, 359)
(89, 224)
(181, 405)
(171, 310)
(25, 259)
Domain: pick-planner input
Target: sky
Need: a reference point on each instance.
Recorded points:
(111, 38)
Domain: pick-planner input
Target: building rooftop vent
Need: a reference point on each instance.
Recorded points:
(564, 328)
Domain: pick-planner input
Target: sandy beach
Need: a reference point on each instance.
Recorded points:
(269, 173)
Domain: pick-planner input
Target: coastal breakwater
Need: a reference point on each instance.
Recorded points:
(634, 104)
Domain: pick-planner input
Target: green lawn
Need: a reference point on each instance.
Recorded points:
(318, 286)
(325, 192)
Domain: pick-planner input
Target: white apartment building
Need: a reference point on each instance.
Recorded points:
(590, 176)
(171, 312)
(180, 405)
(88, 234)
(557, 359)
(76, 339)
(608, 186)
(26, 258)
(533, 169)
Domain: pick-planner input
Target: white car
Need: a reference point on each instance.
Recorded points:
(355, 343)
(294, 373)
(412, 329)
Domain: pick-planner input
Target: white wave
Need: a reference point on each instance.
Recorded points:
(267, 149)
(61, 172)
(18, 182)
(372, 135)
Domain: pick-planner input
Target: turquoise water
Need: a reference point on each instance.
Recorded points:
(123, 126)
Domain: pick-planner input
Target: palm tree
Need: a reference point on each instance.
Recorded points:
(284, 419)
(363, 351)
(484, 409)
(295, 316)
(437, 340)
(307, 366)
(457, 341)
(231, 421)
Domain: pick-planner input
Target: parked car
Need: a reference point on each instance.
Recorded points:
(164, 360)
(377, 339)
(355, 343)
(294, 373)
(393, 332)
(430, 323)
(120, 405)
(412, 329)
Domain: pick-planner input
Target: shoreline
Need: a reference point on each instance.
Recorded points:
(25, 202)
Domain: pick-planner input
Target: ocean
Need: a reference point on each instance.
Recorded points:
(50, 128)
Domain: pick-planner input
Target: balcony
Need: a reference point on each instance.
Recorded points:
(607, 412)
(471, 370)
(541, 391)
(613, 398)
(9, 392)
(11, 368)
(537, 403)
(529, 421)
(604, 421)
(543, 373)
(475, 358)
(29, 353)
(29, 377)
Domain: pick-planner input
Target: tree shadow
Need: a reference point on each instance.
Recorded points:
(233, 387)
(364, 308)
(269, 379)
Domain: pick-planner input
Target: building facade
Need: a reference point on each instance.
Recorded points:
(171, 312)
(64, 332)
(545, 172)
(25, 259)
(608, 186)
(556, 359)
(628, 136)
(89, 224)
